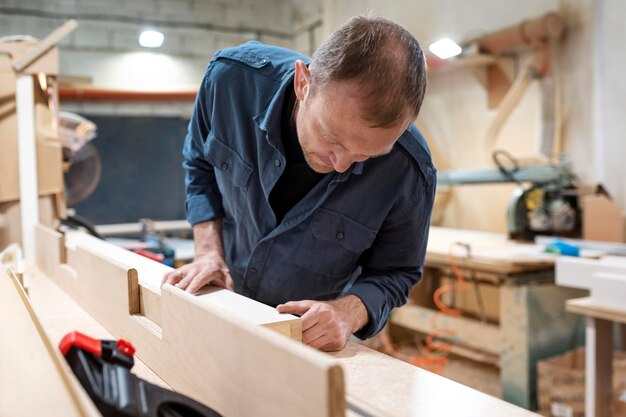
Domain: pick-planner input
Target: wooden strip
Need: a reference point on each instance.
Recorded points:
(46, 44)
(53, 246)
(240, 369)
(201, 348)
(382, 386)
(468, 332)
(33, 376)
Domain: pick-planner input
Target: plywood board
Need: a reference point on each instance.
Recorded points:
(33, 376)
(381, 386)
(150, 274)
(492, 252)
(200, 349)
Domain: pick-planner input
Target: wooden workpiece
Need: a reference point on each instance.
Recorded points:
(200, 349)
(376, 384)
(223, 361)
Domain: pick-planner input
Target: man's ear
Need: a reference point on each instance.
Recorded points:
(301, 81)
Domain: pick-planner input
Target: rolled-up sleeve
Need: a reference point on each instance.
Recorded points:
(204, 201)
(393, 265)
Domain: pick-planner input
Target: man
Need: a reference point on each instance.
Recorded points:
(308, 186)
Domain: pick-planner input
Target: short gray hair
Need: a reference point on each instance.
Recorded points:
(384, 59)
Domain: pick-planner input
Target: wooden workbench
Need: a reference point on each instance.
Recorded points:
(377, 385)
(530, 322)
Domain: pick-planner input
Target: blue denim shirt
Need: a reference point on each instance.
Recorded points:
(368, 225)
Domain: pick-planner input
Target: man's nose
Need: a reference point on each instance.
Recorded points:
(341, 161)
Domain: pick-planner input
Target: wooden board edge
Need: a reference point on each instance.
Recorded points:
(81, 400)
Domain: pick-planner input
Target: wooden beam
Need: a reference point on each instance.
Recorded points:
(204, 348)
(467, 332)
(44, 46)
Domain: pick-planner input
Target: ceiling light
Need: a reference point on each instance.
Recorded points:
(151, 39)
(445, 48)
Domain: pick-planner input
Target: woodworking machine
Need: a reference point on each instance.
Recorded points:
(547, 206)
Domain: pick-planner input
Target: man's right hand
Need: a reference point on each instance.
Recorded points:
(209, 266)
(211, 269)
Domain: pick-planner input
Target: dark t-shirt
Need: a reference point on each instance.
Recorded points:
(298, 178)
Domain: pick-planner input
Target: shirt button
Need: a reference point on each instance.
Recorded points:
(224, 166)
(340, 235)
(277, 163)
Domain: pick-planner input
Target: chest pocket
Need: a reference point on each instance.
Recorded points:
(332, 244)
(232, 174)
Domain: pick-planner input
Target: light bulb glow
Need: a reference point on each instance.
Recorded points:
(151, 39)
(445, 48)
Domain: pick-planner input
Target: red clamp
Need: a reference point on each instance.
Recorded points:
(93, 346)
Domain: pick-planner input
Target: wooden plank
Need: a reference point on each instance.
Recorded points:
(150, 274)
(492, 252)
(382, 386)
(200, 349)
(27, 162)
(60, 314)
(48, 63)
(44, 46)
(33, 376)
(377, 385)
(468, 332)
(49, 152)
(587, 307)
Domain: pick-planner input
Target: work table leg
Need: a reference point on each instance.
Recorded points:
(599, 371)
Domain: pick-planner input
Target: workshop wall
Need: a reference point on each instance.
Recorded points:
(105, 50)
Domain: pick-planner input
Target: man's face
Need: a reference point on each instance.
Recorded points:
(332, 133)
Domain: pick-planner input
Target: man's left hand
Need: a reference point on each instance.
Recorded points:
(327, 325)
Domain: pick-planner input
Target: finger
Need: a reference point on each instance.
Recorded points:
(329, 342)
(184, 282)
(320, 343)
(199, 282)
(312, 333)
(295, 307)
(172, 277)
(312, 318)
(230, 284)
(221, 279)
(213, 278)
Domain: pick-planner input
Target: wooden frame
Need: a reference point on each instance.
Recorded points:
(194, 343)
